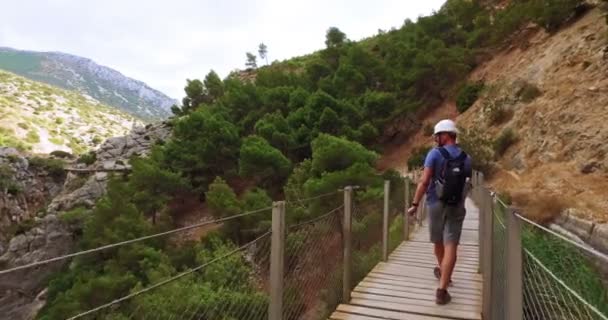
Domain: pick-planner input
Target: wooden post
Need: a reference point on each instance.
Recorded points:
(486, 257)
(346, 226)
(514, 294)
(406, 217)
(387, 190)
(479, 199)
(277, 260)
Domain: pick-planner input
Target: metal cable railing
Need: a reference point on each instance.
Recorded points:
(313, 266)
(535, 273)
(198, 293)
(131, 241)
(304, 267)
(561, 278)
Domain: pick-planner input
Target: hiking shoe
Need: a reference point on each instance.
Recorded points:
(442, 297)
(437, 273)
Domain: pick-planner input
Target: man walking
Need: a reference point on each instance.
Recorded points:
(446, 169)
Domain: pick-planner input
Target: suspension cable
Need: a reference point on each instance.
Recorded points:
(122, 243)
(321, 217)
(313, 198)
(164, 282)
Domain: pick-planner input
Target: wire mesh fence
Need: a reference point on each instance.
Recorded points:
(366, 236)
(499, 261)
(206, 291)
(313, 267)
(396, 213)
(561, 280)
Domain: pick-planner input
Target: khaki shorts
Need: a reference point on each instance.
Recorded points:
(445, 223)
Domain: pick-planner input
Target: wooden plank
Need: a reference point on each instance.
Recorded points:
(428, 254)
(431, 265)
(428, 245)
(412, 248)
(383, 267)
(439, 311)
(462, 286)
(412, 288)
(382, 314)
(430, 296)
(407, 278)
(473, 262)
(471, 296)
(348, 316)
(453, 305)
(467, 261)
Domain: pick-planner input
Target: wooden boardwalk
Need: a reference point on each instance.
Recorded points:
(404, 287)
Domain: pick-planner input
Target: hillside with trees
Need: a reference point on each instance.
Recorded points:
(301, 128)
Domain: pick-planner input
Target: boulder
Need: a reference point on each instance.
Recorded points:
(599, 237)
(578, 226)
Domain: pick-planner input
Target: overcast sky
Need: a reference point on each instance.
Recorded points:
(164, 42)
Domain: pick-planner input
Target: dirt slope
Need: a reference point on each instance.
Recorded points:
(560, 159)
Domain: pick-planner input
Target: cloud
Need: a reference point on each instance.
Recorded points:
(164, 42)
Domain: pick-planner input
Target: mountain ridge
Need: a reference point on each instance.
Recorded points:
(72, 72)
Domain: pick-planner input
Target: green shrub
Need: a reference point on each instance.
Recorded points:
(506, 138)
(23, 125)
(55, 167)
(551, 14)
(6, 180)
(497, 112)
(56, 140)
(529, 92)
(96, 140)
(479, 146)
(87, 158)
(75, 183)
(74, 216)
(61, 154)
(428, 130)
(32, 137)
(416, 159)
(58, 120)
(467, 96)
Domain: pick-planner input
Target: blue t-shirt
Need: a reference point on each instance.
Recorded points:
(435, 160)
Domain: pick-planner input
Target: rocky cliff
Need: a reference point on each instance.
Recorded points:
(32, 223)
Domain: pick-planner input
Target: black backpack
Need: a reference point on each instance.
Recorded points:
(451, 180)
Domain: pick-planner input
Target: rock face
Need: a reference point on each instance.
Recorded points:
(113, 154)
(22, 292)
(28, 190)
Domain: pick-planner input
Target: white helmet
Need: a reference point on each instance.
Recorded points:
(445, 126)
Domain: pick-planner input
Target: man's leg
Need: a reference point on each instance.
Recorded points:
(452, 230)
(447, 264)
(439, 252)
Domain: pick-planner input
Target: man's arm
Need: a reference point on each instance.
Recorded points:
(423, 185)
(421, 189)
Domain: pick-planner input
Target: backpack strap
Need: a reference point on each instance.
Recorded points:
(462, 156)
(446, 155)
(444, 152)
